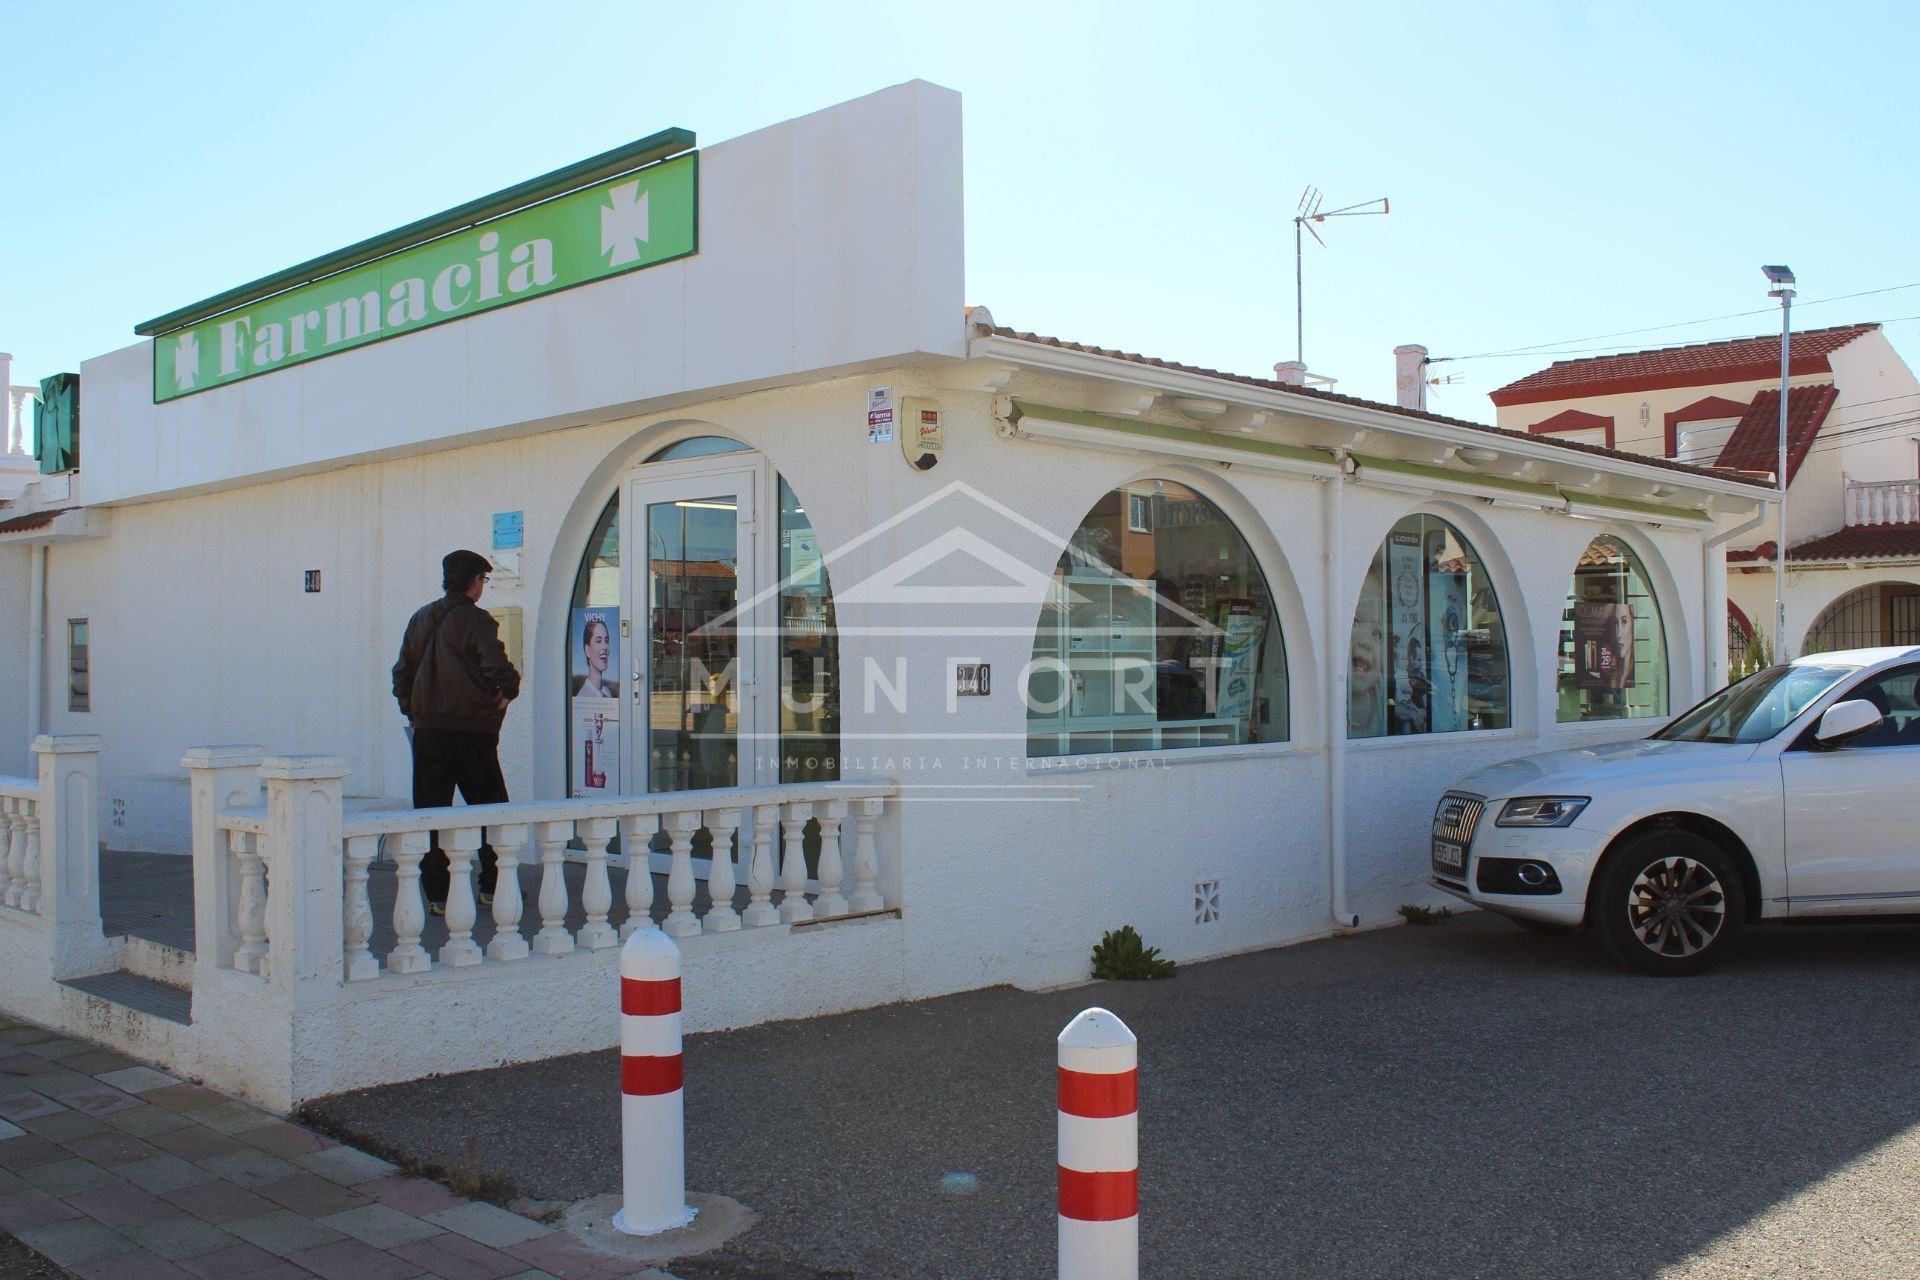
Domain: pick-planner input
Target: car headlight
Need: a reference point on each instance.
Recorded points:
(1541, 811)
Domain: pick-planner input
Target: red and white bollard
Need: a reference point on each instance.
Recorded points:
(653, 1122)
(1099, 1149)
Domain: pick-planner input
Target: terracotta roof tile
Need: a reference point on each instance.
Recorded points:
(1754, 444)
(1273, 384)
(1700, 364)
(1862, 542)
(26, 524)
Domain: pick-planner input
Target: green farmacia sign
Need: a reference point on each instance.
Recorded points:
(638, 220)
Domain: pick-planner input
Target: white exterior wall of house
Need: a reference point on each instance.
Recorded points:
(1630, 435)
(1876, 386)
(15, 570)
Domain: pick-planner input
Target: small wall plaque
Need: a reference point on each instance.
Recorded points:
(972, 679)
(313, 582)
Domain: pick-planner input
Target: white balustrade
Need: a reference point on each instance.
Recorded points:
(760, 909)
(597, 894)
(1871, 502)
(357, 921)
(794, 908)
(722, 824)
(251, 920)
(13, 839)
(460, 950)
(507, 842)
(755, 835)
(636, 837)
(830, 902)
(409, 907)
(19, 844)
(681, 921)
(866, 859)
(553, 938)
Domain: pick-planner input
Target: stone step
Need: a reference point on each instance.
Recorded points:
(144, 995)
(145, 958)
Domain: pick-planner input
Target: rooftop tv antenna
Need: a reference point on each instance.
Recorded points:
(1310, 213)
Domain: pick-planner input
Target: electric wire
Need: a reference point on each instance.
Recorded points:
(1541, 347)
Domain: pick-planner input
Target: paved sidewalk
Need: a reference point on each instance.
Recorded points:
(116, 1171)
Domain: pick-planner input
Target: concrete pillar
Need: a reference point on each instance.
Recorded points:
(1410, 376)
(306, 868)
(69, 768)
(221, 778)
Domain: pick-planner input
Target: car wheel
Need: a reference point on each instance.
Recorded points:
(1669, 903)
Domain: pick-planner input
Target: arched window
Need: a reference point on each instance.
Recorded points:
(1158, 631)
(694, 576)
(1429, 652)
(1883, 613)
(1613, 649)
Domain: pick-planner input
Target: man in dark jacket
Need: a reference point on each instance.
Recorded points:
(453, 682)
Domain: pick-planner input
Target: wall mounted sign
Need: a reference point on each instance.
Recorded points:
(509, 529)
(639, 219)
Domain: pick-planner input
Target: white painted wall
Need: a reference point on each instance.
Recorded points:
(1809, 592)
(828, 241)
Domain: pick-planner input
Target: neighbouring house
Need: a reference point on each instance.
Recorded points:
(1853, 468)
(17, 465)
(874, 648)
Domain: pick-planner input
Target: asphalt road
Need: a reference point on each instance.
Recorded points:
(1466, 1100)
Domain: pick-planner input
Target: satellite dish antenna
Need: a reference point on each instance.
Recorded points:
(1308, 214)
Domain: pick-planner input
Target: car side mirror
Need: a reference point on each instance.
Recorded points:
(1845, 721)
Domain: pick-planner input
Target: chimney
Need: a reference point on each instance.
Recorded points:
(1410, 376)
(1291, 372)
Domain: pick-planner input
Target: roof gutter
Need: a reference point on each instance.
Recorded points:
(1048, 359)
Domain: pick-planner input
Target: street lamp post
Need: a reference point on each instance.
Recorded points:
(1782, 280)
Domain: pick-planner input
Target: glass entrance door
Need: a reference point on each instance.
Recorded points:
(695, 714)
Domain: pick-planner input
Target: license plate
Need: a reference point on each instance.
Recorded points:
(1449, 857)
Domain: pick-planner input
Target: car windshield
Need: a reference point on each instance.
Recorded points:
(1758, 707)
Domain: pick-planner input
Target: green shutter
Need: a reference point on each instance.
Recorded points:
(56, 424)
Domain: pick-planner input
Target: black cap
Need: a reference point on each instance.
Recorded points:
(460, 568)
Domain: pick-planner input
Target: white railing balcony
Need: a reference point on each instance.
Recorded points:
(1883, 502)
(20, 870)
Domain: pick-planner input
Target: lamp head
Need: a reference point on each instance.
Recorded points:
(1780, 275)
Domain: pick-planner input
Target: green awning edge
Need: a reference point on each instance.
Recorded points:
(634, 155)
(1637, 507)
(1180, 435)
(1532, 488)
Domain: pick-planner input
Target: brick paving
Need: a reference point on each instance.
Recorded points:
(114, 1170)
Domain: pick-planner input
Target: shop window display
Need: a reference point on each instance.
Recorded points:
(1158, 632)
(1613, 648)
(1429, 651)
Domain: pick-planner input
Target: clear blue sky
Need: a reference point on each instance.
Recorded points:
(1557, 170)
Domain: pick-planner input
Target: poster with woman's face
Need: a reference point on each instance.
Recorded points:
(595, 665)
(594, 709)
(1603, 644)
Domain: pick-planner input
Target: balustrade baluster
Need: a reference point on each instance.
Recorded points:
(681, 921)
(507, 842)
(866, 860)
(721, 917)
(251, 915)
(553, 938)
(460, 950)
(794, 906)
(13, 851)
(760, 910)
(636, 837)
(831, 902)
(409, 908)
(30, 856)
(597, 895)
(357, 917)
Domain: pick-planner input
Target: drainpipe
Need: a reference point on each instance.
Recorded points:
(1713, 558)
(1337, 629)
(36, 639)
